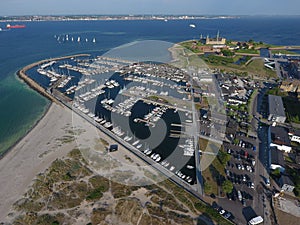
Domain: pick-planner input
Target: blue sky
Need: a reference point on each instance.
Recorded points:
(214, 7)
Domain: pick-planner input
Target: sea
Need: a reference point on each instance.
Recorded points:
(21, 107)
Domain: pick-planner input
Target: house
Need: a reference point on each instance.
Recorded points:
(286, 183)
(295, 136)
(279, 138)
(277, 160)
(276, 109)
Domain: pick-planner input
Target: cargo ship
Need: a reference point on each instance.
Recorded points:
(8, 26)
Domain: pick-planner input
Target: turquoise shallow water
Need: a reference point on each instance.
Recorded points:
(21, 107)
(27, 107)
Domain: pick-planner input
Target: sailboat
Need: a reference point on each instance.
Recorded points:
(78, 40)
(94, 40)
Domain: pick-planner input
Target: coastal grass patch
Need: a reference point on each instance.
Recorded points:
(67, 170)
(194, 204)
(42, 219)
(99, 186)
(29, 205)
(180, 218)
(69, 197)
(129, 210)
(99, 214)
(166, 200)
(120, 190)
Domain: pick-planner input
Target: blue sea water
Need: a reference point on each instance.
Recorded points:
(20, 106)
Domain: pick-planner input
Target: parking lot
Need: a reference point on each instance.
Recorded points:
(240, 170)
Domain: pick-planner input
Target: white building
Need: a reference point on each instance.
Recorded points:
(295, 136)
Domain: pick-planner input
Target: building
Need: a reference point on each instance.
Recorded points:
(286, 183)
(295, 136)
(279, 138)
(277, 160)
(113, 148)
(213, 41)
(276, 109)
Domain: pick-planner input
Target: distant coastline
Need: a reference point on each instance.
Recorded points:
(108, 17)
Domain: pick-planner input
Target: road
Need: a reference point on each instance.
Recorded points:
(260, 204)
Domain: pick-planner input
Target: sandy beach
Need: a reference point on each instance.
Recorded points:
(32, 155)
(41, 146)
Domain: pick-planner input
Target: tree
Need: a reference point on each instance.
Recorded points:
(227, 186)
(276, 173)
(223, 157)
(227, 52)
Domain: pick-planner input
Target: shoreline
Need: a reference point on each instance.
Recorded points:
(31, 155)
(21, 75)
(4, 153)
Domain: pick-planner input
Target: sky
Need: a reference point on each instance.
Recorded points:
(195, 7)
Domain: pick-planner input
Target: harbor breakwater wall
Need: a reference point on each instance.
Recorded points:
(33, 84)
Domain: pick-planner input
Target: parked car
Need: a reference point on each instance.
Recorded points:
(227, 215)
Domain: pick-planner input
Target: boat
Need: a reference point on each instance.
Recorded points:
(172, 168)
(108, 125)
(94, 40)
(139, 146)
(148, 152)
(8, 26)
(190, 167)
(158, 158)
(135, 143)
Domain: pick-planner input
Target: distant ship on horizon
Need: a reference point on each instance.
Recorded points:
(8, 26)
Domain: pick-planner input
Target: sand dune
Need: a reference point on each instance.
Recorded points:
(32, 155)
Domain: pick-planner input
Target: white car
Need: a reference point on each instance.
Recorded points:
(222, 211)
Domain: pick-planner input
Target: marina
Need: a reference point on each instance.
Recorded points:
(109, 91)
